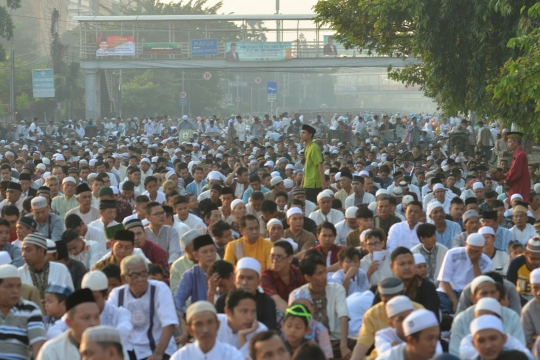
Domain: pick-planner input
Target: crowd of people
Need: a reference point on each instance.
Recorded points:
(268, 238)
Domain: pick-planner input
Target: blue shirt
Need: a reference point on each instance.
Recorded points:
(503, 237)
(250, 190)
(452, 229)
(192, 188)
(193, 283)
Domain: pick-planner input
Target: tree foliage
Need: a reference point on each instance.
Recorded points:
(462, 44)
(6, 23)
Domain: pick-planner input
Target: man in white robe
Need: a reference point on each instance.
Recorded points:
(203, 325)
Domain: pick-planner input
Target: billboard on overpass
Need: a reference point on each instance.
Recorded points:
(258, 51)
(115, 46)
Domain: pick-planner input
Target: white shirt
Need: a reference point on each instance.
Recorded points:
(58, 273)
(334, 216)
(98, 224)
(367, 198)
(226, 335)
(90, 216)
(219, 351)
(59, 348)
(383, 343)
(342, 229)
(160, 197)
(401, 234)
(90, 254)
(500, 260)
(525, 235)
(164, 315)
(383, 270)
(97, 235)
(358, 304)
(457, 268)
(192, 222)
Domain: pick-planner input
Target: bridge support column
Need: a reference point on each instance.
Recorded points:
(93, 93)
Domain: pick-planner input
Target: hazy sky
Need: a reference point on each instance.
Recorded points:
(266, 6)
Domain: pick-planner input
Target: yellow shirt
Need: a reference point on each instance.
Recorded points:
(240, 248)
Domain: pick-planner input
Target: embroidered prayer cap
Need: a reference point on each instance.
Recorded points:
(273, 222)
(475, 240)
(188, 237)
(397, 192)
(485, 322)
(95, 280)
(438, 187)
(397, 305)
(350, 213)
(249, 263)
(102, 334)
(419, 259)
(390, 286)
(202, 240)
(69, 179)
(533, 245)
(294, 210)
(14, 186)
(519, 208)
(309, 129)
(407, 199)
(57, 288)
(381, 192)
(39, 202)
(133, 223)
(535, 277)
(51, 247)
(516, 196)
(124, 235)
(5, 258)
(514, 135)
(489, 304)
(419, 320)
(486, 230)
(82, 188)
(105, 190)
(36, 239)
(236, 202)
(9, 271)
(199, 307)
(432, 206)
(276, 180)
(469, 214)
(479, 280)
(107, 204)
(79, 297)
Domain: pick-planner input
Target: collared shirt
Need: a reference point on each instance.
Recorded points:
(168, 239)
(90, 255)
(61, 347)
(240, 248)
(91, 215)
(178, 268)
(193, 222)
(383, 270)
(195, 188)
(194, 285)
(21, 328)
(342, 229)
(434, 259)
(343, 195)
(61, 204)
(503, 237)
(523, 235)
(97, 235)
(18, 204)
(401, 234)
(457, 269)
(358, 283)
(304, 239)
(334, 216)
(15, 254)
(272, 283)
(52, 228)
(58, 273)
(219, 351)
(330, 256)
(227, 336)
(352, 199)
(157, 255)
(452, 229)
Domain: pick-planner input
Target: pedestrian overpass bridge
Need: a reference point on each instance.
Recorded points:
(211, 42)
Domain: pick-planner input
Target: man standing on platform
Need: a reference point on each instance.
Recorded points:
(314, 181)
(517, 178)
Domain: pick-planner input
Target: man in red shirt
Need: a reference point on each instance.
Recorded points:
(326, 234)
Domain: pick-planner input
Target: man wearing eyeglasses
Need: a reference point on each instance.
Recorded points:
(164, 235)
(151, 305)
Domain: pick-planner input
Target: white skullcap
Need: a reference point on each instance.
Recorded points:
(480, 279)
(445, 168)
(381, 192)
(142, 160)
(338, 176)
(486, 322)
(438, 186)
(273, 222)
(536, 188)
(276, 180)
(102, 334)
(432, 206)
(169, 174)
(475, 240)
(41, 166)
(275, 173)
(199, 307)
(322, 195)
(350, 213)
(249, 263)
(477, 185)
(419, 259)
(372, 206)
(534, 276)
(5, 258)
(155, 159)
(429, 158)
(9, 271)
(397, 305)
(236, 202)
(292, 242)
(69, 179)
(289, 166)
(213, 175)
(294, 210)
(407, 199)
(489, 304)
(39, 202)
(419, 320)
(516, 196)
(363, 235)
(92, 162)
(364, 173)
(95, 280)
(486, 230)
(60, 158)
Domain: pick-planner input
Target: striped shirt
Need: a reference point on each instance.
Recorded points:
(21, 328)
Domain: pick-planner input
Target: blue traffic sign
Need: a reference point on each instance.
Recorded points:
(202, 47)
(271, 88)
(183, 102)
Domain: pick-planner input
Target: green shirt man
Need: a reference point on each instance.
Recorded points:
(314, 180)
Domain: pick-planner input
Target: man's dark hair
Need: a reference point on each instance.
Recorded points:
(223, 268)
(4, 222)
(364, 213)
(245, 219)
(309, 263)
(497, 203)
(286, 246)
(112, 271)
(262, 336)
(10, 210)
(149, 179)
(268, 206)
(150, 206)
(400, 250)
(258, 195)
(180, 200)
(234, 297)
(72, 221)
(219, 228)
(415, 203)
(349, 253)
(154, 269)
(326, 225)
(376, 232)
(457, 200)
(309, 351)
(425, 231)
(283, 194)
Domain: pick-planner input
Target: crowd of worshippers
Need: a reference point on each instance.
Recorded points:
(196, 251)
